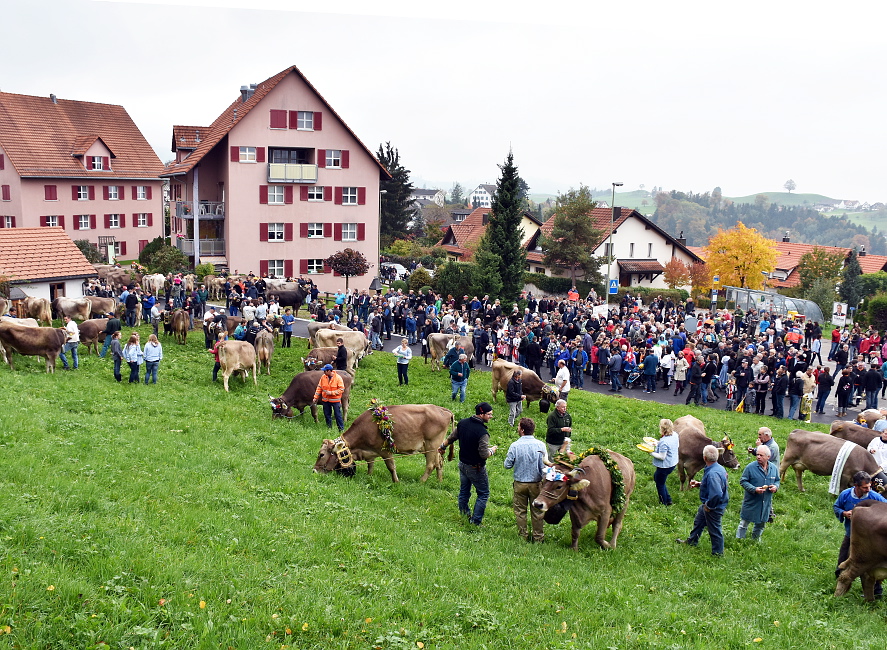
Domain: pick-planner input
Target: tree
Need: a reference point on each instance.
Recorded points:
(741, 256)
(397, 210)
(819, 263)
(90, 251)
(167, 259)
(850, 290)
(573, 237)
(822, 292)
(504, 233)
(700, 276)
(790, 185)
(486, 278)
(419, 278)
(676, 274)
(457, 194)
(150, 248)
(348, 263)
(454, 278)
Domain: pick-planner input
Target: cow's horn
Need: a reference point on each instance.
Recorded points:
(576, 471)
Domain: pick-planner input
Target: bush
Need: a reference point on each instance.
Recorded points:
(399, 284)
(419, 278)
(202, 270)
(876, 311)
(168, 259)
(150, 248)
(90, 251)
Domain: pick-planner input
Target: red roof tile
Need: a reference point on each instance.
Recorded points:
(187, 137)
(640, 266)
(41, 254)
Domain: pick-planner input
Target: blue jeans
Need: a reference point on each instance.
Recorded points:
(106, 345)
(820, 402)
(871, 399)
(375, 341)
(703, 391)
(651, 383)
(793, 404)
(756, 532)
(710, 520)
(133, 372)
(659, 477)
(614, 381)
(831, 353)
(329, 408)
(459, 387)
(151, 370)
(470, 475)
(778, 406)
(72, 348)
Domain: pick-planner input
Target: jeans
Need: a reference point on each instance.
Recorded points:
(106, 345)
(133, 372)
(778, 405)
(703, 391)
(793, 404)
(820, 402)
(871, 399)
(831, 353)
(117, 363)
(216, 371)
(459, 387)
(755, 533)
(659, 477)
(471, 475)
(615, 382)
(514, 412)
(375, 341)
(329, 408)
(72, 348)
(710, 520)
(402, 377)
(651, 383)
(151, 370)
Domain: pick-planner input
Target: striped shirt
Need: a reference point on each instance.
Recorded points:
(526, 456)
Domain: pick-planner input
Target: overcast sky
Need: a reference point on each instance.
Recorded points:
(683, 95)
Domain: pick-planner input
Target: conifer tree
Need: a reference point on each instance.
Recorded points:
(397, 210)
(574, 237)
(850, 290)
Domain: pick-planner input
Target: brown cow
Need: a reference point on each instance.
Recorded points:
(77, 308)
(318, 357)
(91, 332)
(817, 452)
(300, 393)
(417, 429)
(103, 306)
(355, 342)
(264, 349)
(534, 387)
(868, 549)
(314, 327)
(179, 322)
(237, 356)
(4, 306)
(692, 440)
(592, 487)
(38, 309)
(853, 432)
(873, 415)
(44, 342)
(439, 345)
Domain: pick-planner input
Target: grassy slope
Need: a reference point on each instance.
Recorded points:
(785, 198)
(176, 515)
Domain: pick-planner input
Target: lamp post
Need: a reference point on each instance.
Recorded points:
(376, 285)
(610, 246)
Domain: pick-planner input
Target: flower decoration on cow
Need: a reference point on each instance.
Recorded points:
(385, 422)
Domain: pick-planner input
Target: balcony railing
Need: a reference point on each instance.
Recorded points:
(214, 247)
(206, 209)
(290, 173)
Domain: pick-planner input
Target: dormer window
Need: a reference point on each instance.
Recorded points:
(96, 163)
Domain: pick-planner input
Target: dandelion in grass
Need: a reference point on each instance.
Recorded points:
(202, 604)
(368, 620)
(757, 639)
(50, 588)
(304, 627)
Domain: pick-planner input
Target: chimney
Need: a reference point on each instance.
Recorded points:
(681, 239)
(617, 213)
(486, 218)
(785, 238)
(234, 117)
(197, 135)
(53, 99)
(862, 251)
(244, 93)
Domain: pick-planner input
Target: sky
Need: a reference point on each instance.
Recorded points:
(684, 95)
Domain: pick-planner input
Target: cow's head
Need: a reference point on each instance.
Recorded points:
(549, 393)
(557, 486)
(726, 453)
(334, 455)
(312, 363)
(879, 483)
(279, 408)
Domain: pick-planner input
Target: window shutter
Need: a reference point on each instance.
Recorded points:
(1, 161)
(106, 192)
(288, 194)
(361, 196)
(263, 194)
(6, 194)
(106, 163)
(327, 230)
(135, 219)
(123, 248)
(263, 268)
(122, 220)
(135, 192)
(76, 224)
(294, 119)
(107, 221)
(150, 219)
(287, 232)
(278, 119)
(260, 154)
(52, 193)
(74, 192)
(346, 159)
(142, 244)
(92, 221)
(235, 154)
(327, 268)
(288, 268)
(337, 232)
(61, 221)
(2, 222)
(327, 193)
(318, 121)
(42, 222)
(303, 230)
(361, 232)
(303, 266)
(303, 193)
(338, 196)
(91, 193)
(263, 232)
(321, 158)
(148, 189)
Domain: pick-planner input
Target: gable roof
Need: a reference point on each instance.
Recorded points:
(187, 137)
(458, 236)
(790, 254)
(46, 138)
(226, 121)
(39, 254)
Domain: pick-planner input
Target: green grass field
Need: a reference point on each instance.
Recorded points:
(178, 516)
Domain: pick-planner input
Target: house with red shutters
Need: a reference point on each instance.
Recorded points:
(80, 166)
(275, 185)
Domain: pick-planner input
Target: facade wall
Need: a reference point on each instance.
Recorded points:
(72, 289)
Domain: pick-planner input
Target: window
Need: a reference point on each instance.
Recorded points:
(349, 232)
(83, 222)
(141, 192)
(315, 266)
(275, 195)
(305, 121)
(349, 196)
(97, 163)
(608, 250)
(333, 157)
(275, 267)
(9, 222)
(113, 220)
(275, 232)
(315, 193)
(113, 193)
(142, 220)
(294, 156)
(649, 250)
(631, 250)
(119, 248)
(315, 230)
(83, 192)
(51, 221)
(247, 154)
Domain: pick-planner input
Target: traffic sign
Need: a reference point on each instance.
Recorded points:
(614, 287)
(716, 279)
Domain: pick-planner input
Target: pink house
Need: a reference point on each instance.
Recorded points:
(81, 166)
(276, 184)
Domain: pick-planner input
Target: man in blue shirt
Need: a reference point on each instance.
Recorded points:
(846, 501)
(714, 497)
(527, 456)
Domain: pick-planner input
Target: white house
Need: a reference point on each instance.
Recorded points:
(434, 196)
(482, 196)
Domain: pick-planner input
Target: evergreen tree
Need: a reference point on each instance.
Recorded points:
(504, 234)
(457, 194)
(397, 208)
(850, 290)
(573, 237)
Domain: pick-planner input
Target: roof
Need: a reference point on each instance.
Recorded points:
(458, 236)
(698, 251)
(790, 254)
(226, 121)
(187, 137)
(31, 254)
(47, 139)
(424, 192)
(640, 266)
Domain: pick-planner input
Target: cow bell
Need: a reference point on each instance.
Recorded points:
(343, 453)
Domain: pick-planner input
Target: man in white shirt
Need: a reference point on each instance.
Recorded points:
(562, 380)
(878, 448)
(72, 344)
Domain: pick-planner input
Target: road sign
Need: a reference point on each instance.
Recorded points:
(716, 279)
(614, 287)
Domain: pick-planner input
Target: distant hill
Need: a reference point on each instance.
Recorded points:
(787, 199)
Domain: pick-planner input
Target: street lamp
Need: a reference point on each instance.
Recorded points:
(378, 280)
(610, 247)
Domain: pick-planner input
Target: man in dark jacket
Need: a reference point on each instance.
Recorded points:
(872, 384)
(514, 395)
(777, 393)
(694, 378)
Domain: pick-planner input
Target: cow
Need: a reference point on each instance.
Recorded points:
(4, 306)
(119, 278)
(416, 429)
(534, 387)
(314, 327)
(439, 344)
(43, 342)
(215, 286)
(38, 309)
(294, 299)
(280, 285)
(868, 549)
(264, 349)
(188, 282)
(237, 356)
(22, 322)
(154, 283)
(300, 393)
(318, 357)
(179, 322)
(692, 439)
(873, 415)
(817, 452)
(103, 306)
(589, 487)
(77, 308)
(853, 432)
(356, 342)
(91, 332)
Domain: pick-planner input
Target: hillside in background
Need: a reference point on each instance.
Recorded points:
(787, 199)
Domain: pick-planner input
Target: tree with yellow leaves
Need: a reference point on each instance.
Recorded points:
(741, 256)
